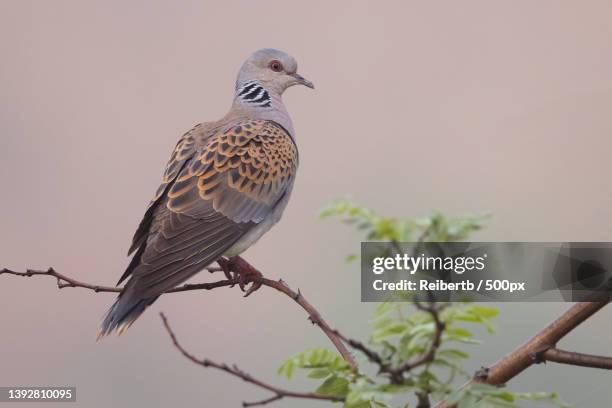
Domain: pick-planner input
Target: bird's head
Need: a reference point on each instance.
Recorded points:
(273, 69)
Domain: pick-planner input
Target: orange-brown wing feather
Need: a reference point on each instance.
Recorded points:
(223, 190)
(183, 151)
(243, 171)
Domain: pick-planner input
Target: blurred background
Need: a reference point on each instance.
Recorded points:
(461, 107)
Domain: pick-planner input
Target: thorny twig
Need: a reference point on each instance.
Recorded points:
(314, 316)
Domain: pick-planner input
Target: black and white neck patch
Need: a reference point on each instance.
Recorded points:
(255, 94)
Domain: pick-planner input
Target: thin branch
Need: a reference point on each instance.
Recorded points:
(523, 357)
(572, 358)
(423, 400)
(235, 371)
(64, 281)
(372, 355)
(397, 372)
(315, 317)
(262, 402)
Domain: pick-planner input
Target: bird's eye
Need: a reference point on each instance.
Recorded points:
(276, 66)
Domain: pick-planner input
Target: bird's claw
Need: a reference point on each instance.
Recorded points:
(227, 268)
(242, 273)
(246, 273)
(254, 286)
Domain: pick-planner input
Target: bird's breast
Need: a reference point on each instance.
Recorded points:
(253, 235)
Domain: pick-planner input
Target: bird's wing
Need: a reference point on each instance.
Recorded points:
(183, 151)
(218, 194)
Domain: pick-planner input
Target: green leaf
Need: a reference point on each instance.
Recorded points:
(399, 335)
(550, 397)
(334, 385)
(383, 323)
(319, 373)
(312, 360)
(382, 309)
(365, 394)
(467, 401)
(453, 354)
(455, 397)
(286, 369)
(440, 362)
(387, 332)
(483, 311)
(460, 335)
(351, 257)
(357, 404)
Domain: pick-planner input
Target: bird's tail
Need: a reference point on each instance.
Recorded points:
(122, 314)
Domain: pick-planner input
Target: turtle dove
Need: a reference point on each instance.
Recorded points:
(225, 185)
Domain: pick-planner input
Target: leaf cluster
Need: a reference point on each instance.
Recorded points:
(401, 332)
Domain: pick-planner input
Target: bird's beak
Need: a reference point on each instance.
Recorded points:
(300, 80)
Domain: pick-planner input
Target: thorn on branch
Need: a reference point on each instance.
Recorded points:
(64, 281)
(297, 295)
(482, 374)
(538, 355)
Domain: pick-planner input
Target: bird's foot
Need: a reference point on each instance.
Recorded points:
(226, 266)
(240, 271)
